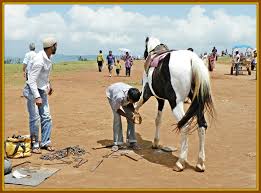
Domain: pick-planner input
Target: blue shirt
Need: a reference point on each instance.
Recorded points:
(110, 59)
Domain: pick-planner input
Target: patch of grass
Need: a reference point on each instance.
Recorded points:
(64, 67)
(224, 60)
(13, 73)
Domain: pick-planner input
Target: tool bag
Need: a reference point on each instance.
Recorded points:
(18, 146)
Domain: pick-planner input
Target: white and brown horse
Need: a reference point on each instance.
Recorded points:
(179, 75)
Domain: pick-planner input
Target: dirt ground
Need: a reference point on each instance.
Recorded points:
(82, 116)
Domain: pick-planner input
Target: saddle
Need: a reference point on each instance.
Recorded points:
(159, 49)
(157, 55)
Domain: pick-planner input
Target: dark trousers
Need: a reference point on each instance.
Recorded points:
(118, 71)
(100, 66)
(128, 71)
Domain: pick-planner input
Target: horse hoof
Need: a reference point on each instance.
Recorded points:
(178, 167)
(200, 168)
(154, 146)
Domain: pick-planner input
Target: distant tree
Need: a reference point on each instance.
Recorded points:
(19, 61)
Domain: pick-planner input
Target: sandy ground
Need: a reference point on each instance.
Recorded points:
(82, 116)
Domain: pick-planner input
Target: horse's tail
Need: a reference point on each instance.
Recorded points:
(202, 97)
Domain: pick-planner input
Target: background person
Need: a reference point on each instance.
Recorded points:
(110, 62)
(28, 60)
(128, 63)
(100, 61)
(118, 67)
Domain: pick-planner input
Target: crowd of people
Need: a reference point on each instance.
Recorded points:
(112, 62)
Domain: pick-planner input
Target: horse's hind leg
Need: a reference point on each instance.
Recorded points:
(158, 119)
(200, 167)
(178, 112)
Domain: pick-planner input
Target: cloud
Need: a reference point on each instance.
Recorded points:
(83, 30)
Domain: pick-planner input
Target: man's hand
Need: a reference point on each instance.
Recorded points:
(137, 119)
(131, 118)
(38, 101)
(50, 91)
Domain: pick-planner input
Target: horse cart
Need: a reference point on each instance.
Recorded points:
(245, 60)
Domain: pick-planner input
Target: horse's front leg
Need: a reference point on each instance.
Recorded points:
(145, 95)
(158, 119)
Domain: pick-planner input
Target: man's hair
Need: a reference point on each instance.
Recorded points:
(134, 94)
(100, 51)
(31, 46)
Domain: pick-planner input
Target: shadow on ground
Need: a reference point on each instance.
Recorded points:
(156, 156)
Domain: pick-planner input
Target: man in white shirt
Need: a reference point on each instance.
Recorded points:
(236, 60)
(28, 60)
(38, 87)
(121, 95)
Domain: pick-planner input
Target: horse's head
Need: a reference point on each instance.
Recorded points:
(150, 44)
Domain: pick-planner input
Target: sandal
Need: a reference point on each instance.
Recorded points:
(48, 148)
(36, 150)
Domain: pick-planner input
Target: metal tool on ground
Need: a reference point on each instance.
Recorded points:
(97, 165)
(25, 162)
(55, 163)
(108, 154)
(103, 146)
(131, 155)
(66, 162)
(81, 162)
(74, 150)
(63, 162)
(169, 149)
(105, 156)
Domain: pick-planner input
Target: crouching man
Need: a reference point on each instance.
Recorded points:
(121, 97)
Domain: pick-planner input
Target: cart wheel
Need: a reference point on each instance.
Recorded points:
(231, 70)
(249, 71)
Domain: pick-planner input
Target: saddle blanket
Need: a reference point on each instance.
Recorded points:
(156, 59)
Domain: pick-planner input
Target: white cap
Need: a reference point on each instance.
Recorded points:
(49, 42)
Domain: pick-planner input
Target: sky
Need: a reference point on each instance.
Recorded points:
(84, 29)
